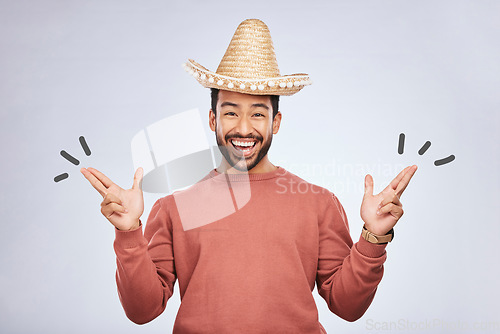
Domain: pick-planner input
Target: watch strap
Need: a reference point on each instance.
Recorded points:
(377, 239)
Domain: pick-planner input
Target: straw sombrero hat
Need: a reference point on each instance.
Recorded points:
(249, 65)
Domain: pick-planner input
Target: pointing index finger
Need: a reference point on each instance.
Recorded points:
(394, 183)
(94, 181)
(406, 179)
(101, 177)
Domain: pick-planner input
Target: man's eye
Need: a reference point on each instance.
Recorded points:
(258, 115)
(230, 113)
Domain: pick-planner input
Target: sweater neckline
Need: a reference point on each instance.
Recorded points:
(215, 175)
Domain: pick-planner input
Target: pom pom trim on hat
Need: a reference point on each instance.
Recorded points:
(283, 85)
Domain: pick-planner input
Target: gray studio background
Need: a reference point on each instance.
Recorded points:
(107, 69)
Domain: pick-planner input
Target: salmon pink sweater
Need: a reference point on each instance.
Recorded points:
(247, 251)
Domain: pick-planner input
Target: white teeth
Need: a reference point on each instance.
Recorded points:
(243, 143)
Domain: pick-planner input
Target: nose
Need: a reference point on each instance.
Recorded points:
(244, 126)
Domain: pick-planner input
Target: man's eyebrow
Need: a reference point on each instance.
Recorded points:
(255, 105)
(230, 104)
(261, 105)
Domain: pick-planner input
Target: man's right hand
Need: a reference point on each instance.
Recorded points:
(122, 207)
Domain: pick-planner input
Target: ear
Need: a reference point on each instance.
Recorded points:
(211, 120)
(276, 122)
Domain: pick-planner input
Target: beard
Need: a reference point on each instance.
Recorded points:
(242, 163)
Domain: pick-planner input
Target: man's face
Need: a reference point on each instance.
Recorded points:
(244, 128)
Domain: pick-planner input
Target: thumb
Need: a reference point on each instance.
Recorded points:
(368, 185)
(139, 173)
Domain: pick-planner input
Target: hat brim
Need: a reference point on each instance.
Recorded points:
(282, 85)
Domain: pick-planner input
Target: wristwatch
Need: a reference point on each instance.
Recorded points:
(377, 239)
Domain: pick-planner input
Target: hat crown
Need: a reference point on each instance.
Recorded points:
(250, 53)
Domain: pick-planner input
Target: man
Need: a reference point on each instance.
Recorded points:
(251, 270)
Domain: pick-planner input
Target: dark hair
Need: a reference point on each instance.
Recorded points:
(214, 94)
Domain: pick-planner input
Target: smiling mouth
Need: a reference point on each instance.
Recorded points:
(244, 146)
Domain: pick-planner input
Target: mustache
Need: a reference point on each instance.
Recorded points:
(257, 137)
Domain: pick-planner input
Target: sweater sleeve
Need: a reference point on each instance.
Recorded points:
(145, 274)
(348, 275)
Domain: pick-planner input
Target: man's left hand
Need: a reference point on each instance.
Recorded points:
(382, 211)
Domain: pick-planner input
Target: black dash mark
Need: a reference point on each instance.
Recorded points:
(401, 145)
(70, 158)
(85, 147)
(444, 160)
(61, 177)
(424, 148)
